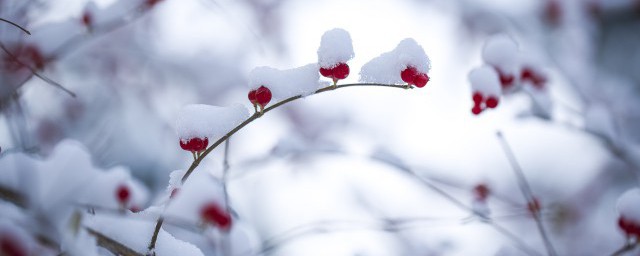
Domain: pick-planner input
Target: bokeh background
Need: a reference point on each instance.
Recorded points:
(323, 162)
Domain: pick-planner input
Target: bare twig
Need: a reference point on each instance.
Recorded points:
(35, 72)
(629, 246)
(16, 25)
(112, 245)
(526, 192)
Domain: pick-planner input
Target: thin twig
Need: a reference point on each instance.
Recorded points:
(626, 248)
(256, 116)
(16, 25)
(112, 245)
(35, 72)
(524, 186)
(156, 231)
(225, 171)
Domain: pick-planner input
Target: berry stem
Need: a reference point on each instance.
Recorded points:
(628, 246)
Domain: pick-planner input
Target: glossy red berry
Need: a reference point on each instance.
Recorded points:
(341, 71)
(213, 213)
(326, 72)
(477, 98)
(252, 97)
(537, 80)
(409, 74)
(123, 194)
(492, 102)
(533, 206)
(263, 96)
(481, 192)
(194, 144)
(476, 110)
(421, 80)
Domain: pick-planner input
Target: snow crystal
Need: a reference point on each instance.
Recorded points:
(485, 79)
(136, 234)
(197, 191)
(213, 122)
(286, 83)
(502, 52)
(386, 68)
(629, 205)
(335, 47)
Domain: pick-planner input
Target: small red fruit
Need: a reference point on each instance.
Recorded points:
(421, 80)
(213, 213)
(409, 74)
(194, 144)
(87, 19)
(481, 192)
(263, 96)
(123, 194)
(477, 98)
(477, 109)
(10, 246)
(252, 97)
(326, 72)
(538, 80)
(630, 228)
(492, 102)
(341, 71)
(533, 206)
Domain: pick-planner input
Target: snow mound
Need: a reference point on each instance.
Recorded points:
(213, 122)
(335, 47)
(485, 80)
(286, 83)
(502, 52)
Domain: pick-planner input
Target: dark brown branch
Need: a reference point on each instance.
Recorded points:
(626, 248)
(13, 197)
(16, 25)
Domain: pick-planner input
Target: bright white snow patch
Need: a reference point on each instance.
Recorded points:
(386, 68)
(286, 83)
(485, 80)
(629, 205)
(335, 47)
(213, 122)
(502, 52)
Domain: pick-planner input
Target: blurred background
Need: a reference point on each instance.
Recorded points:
(336, 164)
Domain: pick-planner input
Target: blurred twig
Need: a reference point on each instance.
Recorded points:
(16, 25)
(628, 247)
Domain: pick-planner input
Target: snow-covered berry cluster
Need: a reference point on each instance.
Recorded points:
(506, 70)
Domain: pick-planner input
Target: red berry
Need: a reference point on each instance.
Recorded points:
(252, 96)
(421, 80)
(477, 98)
(492, 102)
(630, 228)
(553, 12)
(326, 72)
(134, 209)
(408, 75)
(481, 192)
(151, 3)
(477, 109)
(194, 144)
(263, 96)
(123, 194)
(341, 71)
(538, 80)
(87, 19)
(213, 213)
(10, 246)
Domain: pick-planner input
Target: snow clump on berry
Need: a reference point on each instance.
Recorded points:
(286, 83)
(206, 121)
(387, 67)
(485, 80)
(335, 48)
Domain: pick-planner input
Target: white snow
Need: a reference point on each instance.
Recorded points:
(213, 122)
(136, 233)
(200, 189)
(335, 47)
(502, 52)
(485, 80)
(286, 83)
(115, 11)
(101, 191)
(629, 205)
(386, 68)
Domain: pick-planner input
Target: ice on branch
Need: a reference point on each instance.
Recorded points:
(135, 233)
(206, 121)
(387, 67)
(501, 52)
(485, 80)
(286, 83)
(335, 48)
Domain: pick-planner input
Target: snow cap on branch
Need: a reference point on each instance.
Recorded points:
(629, 205)
(335, 48)
(501, 52)
(387, 67)
(286, 83)
(213, 122)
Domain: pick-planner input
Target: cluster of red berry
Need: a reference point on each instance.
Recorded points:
(412, 76)
(630, 228)
(194, 144)
(338, 72)
(480, 100)
(260, 97)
